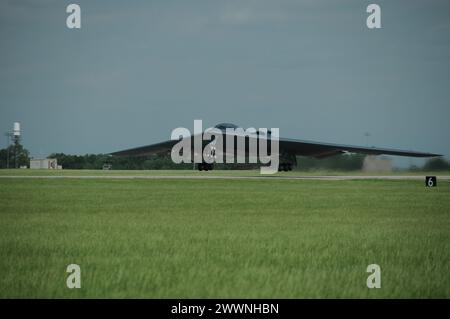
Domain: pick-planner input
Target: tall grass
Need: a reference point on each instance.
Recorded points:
(223, 238)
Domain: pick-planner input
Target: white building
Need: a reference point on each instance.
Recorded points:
(46, 163)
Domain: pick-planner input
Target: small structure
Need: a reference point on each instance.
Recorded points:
(47, 163)
(16, 129)
(373, 163)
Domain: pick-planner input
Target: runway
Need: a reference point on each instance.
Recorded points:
(212, 177)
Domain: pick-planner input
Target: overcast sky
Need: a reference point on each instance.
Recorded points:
(138, 69)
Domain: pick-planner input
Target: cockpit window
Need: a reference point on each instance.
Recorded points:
(224, 126)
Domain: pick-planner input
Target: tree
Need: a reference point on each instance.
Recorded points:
(16, 155)
(3, 155)
(436, 164)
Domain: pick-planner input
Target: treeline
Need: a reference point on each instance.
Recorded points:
(433, 164)
(98, 161)
(19, 156)
(342, 162)
(351, 162)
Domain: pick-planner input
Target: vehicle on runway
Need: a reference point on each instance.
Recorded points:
(288, 150)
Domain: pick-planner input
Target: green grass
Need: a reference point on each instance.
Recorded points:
(223, 238)
(85, 172)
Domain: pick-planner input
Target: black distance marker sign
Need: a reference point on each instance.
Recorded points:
(430, 181)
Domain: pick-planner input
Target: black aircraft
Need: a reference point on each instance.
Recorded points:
(288, 149)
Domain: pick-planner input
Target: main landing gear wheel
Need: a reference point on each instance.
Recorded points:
(205, 167)
(285, 167)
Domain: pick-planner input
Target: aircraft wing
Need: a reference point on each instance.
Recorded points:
(320, 150)
(158, 148)
(290, 146)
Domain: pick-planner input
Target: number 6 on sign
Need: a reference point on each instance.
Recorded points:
(430, 181)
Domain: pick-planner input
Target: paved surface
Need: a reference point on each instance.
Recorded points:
(328, 178)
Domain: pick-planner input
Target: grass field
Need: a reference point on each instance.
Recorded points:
(85, 172)
(223, 238)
